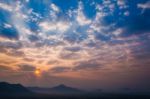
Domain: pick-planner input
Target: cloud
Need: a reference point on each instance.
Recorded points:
(33, 38)
(69, 55)
(60, 69)
(52, 62)
(27, 1)
(6, 7)
(13, 52)
(141, 47)
(144, 5)
(28, 59)
(121, 4)
(81, 18)
(76, 35)
(7, 25)
(87, 65)
(49, 43)
(26, 67)
(127, 13)
(73, 49)
(11, 45)
(55, 8)
(60, 26)
(5, 68)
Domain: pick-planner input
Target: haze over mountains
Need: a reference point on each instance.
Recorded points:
(15, 91)
(57, 89)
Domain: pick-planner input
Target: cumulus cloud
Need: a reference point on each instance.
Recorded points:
(121, 4)
(54, 26)
(6, 7)
(144, 5)
(7, 25)
(81, 18)
(55, 8)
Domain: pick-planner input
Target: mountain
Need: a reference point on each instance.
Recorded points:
(60, 89)
(64, 88)
(6, 88)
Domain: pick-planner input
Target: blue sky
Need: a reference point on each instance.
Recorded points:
(74, 40)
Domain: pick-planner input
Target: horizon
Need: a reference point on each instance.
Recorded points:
(85, 44)
(98, 90)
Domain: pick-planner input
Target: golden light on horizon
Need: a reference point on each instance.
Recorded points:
(37, 72)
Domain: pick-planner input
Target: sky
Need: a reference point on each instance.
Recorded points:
(88, 44)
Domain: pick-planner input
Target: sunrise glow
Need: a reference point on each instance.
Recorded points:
(88, 44)
(37, 72)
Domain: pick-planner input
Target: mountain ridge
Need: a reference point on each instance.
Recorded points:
(12, 88)
(61, 88)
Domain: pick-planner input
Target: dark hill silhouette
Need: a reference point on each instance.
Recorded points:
(6, 88)
(64, 88)
(17, 91)
(57, 89)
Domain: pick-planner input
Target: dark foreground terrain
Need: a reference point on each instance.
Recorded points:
(74, 96)
(17, 91)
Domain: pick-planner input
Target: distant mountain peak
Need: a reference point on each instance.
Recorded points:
(64, 88)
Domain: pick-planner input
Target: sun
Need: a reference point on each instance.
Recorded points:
(37, 72)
